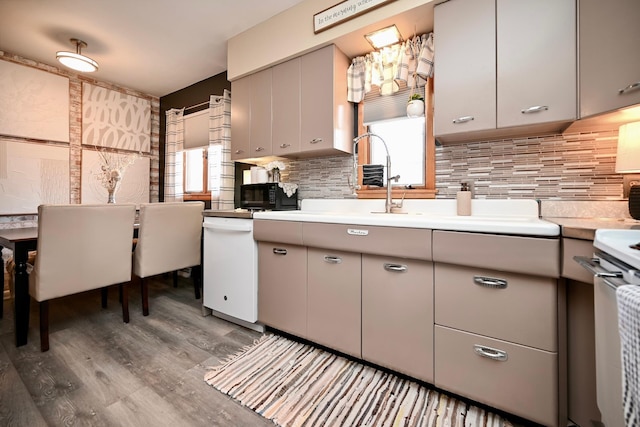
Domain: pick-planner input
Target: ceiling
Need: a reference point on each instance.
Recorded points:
(158, 46)
(153, 46)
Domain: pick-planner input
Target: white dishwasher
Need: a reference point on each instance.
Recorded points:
(230, 270)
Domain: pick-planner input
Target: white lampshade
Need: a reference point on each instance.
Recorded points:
(628, 156)
(77, 61)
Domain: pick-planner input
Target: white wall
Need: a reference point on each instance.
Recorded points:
(290, 34)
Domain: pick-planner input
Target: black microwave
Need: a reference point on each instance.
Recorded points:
(267, 196)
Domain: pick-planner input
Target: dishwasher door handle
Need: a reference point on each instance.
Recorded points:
(227, 227)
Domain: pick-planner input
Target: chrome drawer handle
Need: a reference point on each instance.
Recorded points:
(632, 86)
(396, 268)
(315, 140)
(535, 109)
(279, 251)
(332, 259)
(259, 149)
(285, 145)
(239, 151)
(490, 353)
(490, 282)
(463, 119)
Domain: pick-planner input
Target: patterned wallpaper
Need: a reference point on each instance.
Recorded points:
(576, 166)
(75, 132)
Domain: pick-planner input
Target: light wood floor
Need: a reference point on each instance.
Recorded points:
(102, 372)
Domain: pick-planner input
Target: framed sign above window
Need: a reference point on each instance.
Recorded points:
(344, 11)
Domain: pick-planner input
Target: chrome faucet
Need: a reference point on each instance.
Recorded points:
(388, 204)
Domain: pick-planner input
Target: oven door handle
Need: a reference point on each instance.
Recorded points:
(593, 265)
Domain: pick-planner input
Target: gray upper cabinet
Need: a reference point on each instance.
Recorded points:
(326, 117)
(503, 67)
(536, 52)
(295, 109)
(465, 67)
(609, 59)
(260, 144)
(285, 97)
(251, 116)
(240, 118)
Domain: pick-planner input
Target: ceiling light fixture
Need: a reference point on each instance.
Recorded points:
(384, 37)
(77, 61)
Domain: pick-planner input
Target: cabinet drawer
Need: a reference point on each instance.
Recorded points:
(529, 255)
(395, 241)
(277, 231)
(513, 307)
(524, 384)
(570, 268)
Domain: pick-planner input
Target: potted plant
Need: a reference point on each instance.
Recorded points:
(415, 107)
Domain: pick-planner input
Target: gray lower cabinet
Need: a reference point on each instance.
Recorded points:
(397, 314)
(282, 287)
(333, 299)
(499, 308)
(581, 342)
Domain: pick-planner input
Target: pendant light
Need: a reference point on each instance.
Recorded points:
(77, 61)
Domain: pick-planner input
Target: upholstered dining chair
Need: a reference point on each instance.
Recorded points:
(81, 248)
(169, 239)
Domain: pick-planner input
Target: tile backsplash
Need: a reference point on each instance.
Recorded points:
(576, 166)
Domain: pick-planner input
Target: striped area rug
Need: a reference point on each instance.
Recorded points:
(294, 384)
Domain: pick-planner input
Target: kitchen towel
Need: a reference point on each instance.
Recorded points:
(628, 298)
(373, 175)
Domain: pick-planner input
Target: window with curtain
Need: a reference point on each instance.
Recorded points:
(409, 140)
(196, 156)
(381, 83)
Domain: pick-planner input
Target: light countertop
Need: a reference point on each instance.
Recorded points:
(518, 217)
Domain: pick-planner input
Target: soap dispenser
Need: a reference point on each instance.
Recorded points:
(463, 200)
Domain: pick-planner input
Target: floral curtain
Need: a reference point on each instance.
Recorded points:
(221, 168)
(402, 65)
(173, 168)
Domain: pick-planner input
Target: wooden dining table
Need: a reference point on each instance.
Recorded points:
(20, 241)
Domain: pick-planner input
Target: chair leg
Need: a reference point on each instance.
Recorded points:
(105, 294)
(124, 292)
(44, 326)
(144, 288)
(175, 279)
(196, 276)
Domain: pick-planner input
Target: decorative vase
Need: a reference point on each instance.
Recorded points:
(275, 175)
(415, 108)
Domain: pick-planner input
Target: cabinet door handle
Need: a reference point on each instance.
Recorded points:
(632, 86)
(332, 259)
(490, 282)
(239, 151)
(396, 268)
(463, 119)
(285, 145)
(535, 109)
(315, 140)
(279, 251)
(259, 149)
(490, 353)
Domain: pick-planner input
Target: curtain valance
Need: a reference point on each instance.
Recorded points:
(406, 64)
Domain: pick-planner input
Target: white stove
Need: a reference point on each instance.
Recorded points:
(616, 268)
(619, 251)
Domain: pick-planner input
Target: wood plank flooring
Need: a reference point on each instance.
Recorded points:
(102, 372)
